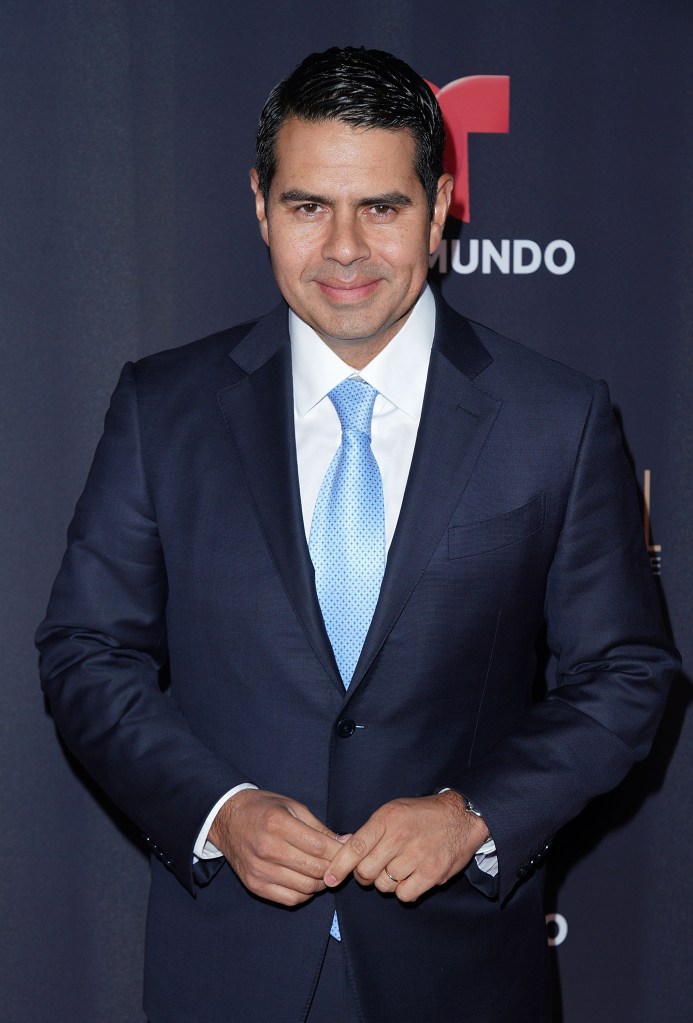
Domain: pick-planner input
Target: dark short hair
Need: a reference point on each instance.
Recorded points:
(365, 89)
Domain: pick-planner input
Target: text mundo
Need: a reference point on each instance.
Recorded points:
(516, 256)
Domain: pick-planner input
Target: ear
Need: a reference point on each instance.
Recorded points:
(440, 211)
(260, 209)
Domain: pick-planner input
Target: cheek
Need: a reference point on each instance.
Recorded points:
(404, 251)
(287, 262)
(291, 256)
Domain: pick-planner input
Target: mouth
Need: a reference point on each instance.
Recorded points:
(347, 292)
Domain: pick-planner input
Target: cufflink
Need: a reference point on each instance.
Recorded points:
(471, 808)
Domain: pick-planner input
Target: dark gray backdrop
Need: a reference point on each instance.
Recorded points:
(125, 141)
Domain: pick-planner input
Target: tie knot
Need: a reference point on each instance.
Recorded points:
(354, 399)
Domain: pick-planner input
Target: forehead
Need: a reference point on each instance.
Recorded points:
(309, 151)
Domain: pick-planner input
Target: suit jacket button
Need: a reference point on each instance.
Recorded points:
(345, 728)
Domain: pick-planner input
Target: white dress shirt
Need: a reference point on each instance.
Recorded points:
(398, 373)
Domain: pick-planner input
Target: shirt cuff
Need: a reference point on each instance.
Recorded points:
(487, 858)
(204, 849)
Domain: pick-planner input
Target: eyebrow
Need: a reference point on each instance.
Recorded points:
(385, 199)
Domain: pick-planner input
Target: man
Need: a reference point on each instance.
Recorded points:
(343, 527)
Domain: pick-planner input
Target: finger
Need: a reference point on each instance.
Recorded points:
(353, 852)
(302, 813)
(411, 888)
(392, 876)
(281, 895)
(305, 834)
(301, 863)
(385, 883)
(265, 879)
(417, 884)
(332, 840)
(376, 862)
(300, 853)
(371, 867)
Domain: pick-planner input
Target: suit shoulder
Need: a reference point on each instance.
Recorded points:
(206, 353)
(519, 366)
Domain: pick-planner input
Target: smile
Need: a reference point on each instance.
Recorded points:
(347, 292)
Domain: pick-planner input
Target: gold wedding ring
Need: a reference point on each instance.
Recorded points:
(393, 879)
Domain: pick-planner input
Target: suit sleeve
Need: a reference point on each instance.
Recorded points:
(614, 665)
(103, 643)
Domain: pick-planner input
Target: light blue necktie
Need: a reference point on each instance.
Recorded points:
(347, 533)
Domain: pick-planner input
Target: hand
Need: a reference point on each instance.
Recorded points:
(410, 845)
(279, 850)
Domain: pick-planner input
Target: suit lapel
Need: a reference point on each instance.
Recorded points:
(456, 419)
(258, 412)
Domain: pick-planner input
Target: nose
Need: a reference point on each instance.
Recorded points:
(345, 241)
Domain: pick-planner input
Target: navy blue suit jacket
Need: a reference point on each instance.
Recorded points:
(188, 548)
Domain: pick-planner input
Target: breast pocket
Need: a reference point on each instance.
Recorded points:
(497, 532)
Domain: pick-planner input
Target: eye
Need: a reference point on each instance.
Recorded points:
(381, 211)
(309, 208)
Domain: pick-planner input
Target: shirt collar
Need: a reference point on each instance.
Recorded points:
(398, 372)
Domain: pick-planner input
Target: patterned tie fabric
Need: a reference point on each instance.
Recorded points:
(347, 534)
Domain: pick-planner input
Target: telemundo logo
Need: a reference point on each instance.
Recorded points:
(509, 256)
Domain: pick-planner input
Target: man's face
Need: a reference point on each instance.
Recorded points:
(349, 231)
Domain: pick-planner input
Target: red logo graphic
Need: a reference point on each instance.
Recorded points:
(471, 104)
